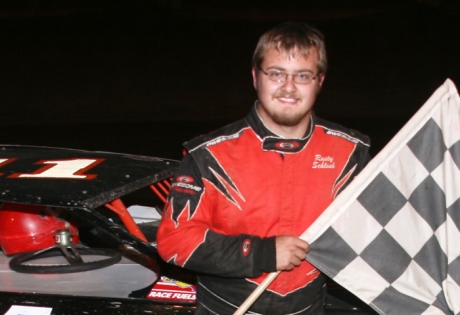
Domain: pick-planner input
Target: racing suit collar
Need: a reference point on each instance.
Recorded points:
(274, 142)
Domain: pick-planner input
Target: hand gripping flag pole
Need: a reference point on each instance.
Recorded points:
(261, 287)
(391, 237)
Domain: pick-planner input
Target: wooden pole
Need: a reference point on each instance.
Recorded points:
(257, 292)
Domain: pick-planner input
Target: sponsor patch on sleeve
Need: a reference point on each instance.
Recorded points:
(185, 184)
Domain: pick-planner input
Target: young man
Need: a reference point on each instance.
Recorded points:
(244, 193)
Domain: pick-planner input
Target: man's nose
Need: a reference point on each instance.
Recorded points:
(289, 84)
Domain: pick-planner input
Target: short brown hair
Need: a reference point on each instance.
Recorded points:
(292, 38)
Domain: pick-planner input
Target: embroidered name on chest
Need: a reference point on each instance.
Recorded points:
(323, 161)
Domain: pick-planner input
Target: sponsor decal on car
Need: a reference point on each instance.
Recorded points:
(167, 289)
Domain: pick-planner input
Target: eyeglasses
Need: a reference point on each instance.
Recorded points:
(280, 76)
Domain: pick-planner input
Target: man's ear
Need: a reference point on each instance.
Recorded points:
(254, 77)
(321, 78)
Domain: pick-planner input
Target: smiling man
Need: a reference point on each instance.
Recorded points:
(287, 83)
(244, 193)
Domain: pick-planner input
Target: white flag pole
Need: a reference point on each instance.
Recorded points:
(256, 293)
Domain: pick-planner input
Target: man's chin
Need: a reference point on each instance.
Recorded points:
(288, 120)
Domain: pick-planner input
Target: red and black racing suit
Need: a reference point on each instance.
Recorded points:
(239, 187)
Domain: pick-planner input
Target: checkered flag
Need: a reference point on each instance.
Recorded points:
(393, 236)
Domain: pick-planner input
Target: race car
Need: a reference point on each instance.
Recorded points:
(78, 236)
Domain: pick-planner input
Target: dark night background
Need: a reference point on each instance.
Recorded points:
(143, 76)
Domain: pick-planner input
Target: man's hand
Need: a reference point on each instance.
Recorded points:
(290, 251)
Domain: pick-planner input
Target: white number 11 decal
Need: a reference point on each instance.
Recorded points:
(66, 169)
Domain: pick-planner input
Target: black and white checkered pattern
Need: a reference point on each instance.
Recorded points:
(393, 236)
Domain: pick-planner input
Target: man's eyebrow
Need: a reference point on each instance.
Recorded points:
(284, 70)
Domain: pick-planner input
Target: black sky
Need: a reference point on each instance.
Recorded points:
(177, 61)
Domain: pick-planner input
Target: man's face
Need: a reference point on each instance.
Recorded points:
(285, 107)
